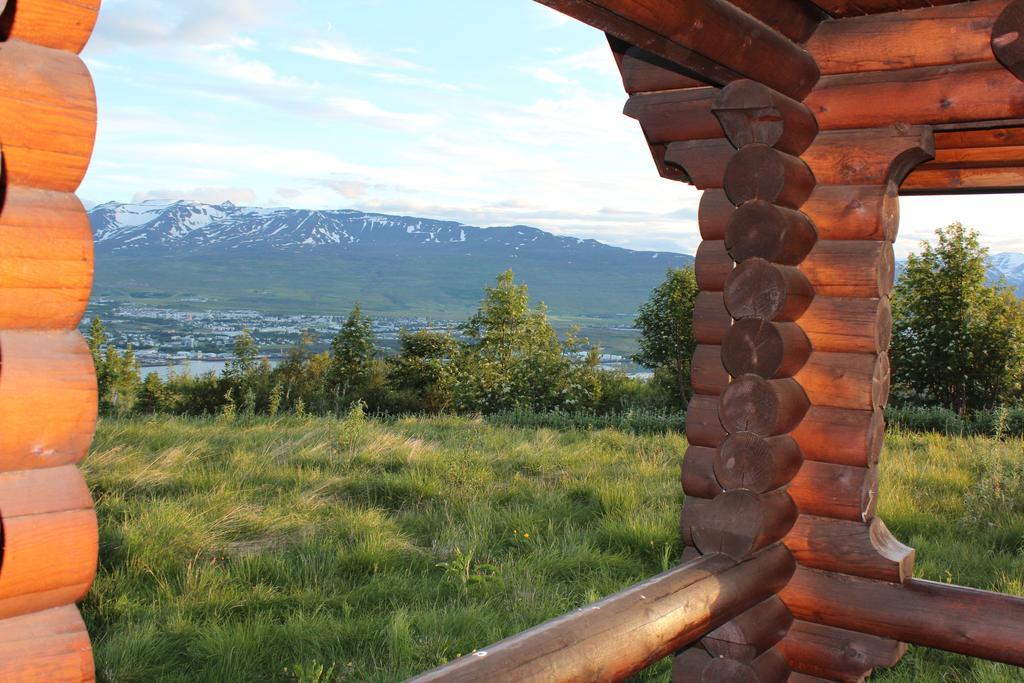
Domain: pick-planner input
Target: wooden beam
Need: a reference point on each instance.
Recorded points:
(962, 620)
(836, 654)
(928, 181)
(925, 96)
(931, 36)
(59, 24)
(712, 38)
(626, 632)
(796, 19)
(850, 547)
(643, 71)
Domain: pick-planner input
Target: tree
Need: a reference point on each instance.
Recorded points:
(666, 339)
(117, 373)
(419, 375)
(957, 342)
(243, 372)
(351, 358)
(514, 358)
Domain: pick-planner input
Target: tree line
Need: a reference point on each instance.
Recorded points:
(506, 357)
(958, 343)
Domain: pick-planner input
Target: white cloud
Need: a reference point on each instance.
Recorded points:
(336, 51)
(206, 195)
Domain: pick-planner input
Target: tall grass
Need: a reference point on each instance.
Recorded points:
(315, 549)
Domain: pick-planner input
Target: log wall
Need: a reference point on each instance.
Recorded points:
(47, 379)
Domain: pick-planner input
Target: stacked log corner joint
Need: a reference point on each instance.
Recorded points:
(47, 379)
(791, 375)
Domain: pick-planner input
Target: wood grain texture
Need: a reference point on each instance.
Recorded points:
(959, 33)
(711, 319)
(712, 38)
(836, 654)
(712, 265)
(759, 289)
(846, 325)
(872, 156)
(841, 436)
(47, 399)
(50, 94)
(926, 96)
(46, 260)
(58, 24)
(739, 522)
(761, 172)
(851, 268)
(858, 212)
(858, 381)
(752, 633)
(703, 426)
(50, 539)
(758, 229)
(962, 620)
(850, 547)
(51, 646)
(752, 113)
(643, 71)
(836, 491)
(766, 407)
(707, 374)
(703, 162)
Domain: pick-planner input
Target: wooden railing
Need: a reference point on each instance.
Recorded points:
(627, 632)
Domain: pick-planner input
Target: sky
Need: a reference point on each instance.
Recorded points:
(490, 113)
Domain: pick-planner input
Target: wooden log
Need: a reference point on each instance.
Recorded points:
(962, 620)
(712, 265)
(714, 214)
(688, 666)
(713, 38)
(928, 181)
(703, 426)
(842, 325)
(755, 346)
(841, 436)
(49, 94)
(855, 268)
(643, 71)
(711, 319)
(1006, 41)
(59, 24)
(766, 407)
(751, 112)
(752, 633)
(46, 646)
(873, 156)
(859, 381)
(702, 161)
(977, 157)
(850, 547)
(47, 399)
(672, 116)
(645, 622)
(758, 289)
(858, 212)
(768, 668)
(837, 654)
(46, 260)
(666, 170)
(761, 172)
(50, 539)
(931, 36)
(795, 19)
(738, 523)
(748, 461)
(697, 475)
(836, 491)
(931, 95)
(693, 511)
(707, 374)
(759, 229)
(984, 137)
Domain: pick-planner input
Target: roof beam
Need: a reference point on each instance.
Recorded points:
(712, 38)
(931, 36)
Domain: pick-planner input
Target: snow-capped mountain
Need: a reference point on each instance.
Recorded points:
(308, 261)
(183, 226)
(1008, 266)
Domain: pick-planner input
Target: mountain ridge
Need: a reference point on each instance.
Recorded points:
(301, 260)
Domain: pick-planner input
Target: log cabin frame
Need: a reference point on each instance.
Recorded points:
(803, 122)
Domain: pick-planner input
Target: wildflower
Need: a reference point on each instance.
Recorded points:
(525, 535)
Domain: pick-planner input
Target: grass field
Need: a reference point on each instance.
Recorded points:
(360, 551)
